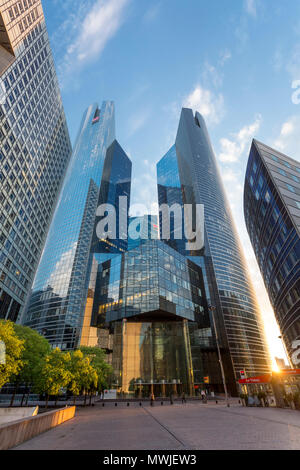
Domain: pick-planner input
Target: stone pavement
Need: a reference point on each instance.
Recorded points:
(191, 426)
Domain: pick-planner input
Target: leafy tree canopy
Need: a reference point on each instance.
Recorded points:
(36, 348)
(14, 347)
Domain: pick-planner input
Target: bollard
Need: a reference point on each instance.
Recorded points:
(102, 404)
(140, 404)
(116, 404)
(127, 404)
(216, 402)
(162, 403)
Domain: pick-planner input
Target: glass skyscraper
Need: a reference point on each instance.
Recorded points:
(34, 147)
(152, 300)
(99, 172)
(188, 174)
(272, 215)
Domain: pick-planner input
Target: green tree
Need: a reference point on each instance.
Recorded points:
(55, 373)
(84, 376)
(36, 348)
(98, 361)
(13, 352)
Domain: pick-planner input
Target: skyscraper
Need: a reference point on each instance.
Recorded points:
(188, 174)
(34, 147)
(99, 172)
(272, 215)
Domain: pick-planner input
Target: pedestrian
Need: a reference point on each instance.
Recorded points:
(203, 395)
(152, 399)
(171, 399)
(183, 398)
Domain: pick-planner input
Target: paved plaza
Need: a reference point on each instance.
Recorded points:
(178, 427)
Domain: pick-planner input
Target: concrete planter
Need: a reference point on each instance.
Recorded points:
(16, 432)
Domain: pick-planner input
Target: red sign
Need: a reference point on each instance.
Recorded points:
(96, 119)
(290, 371)
(261, 379)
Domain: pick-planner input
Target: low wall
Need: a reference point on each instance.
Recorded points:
(13, 434)
(15, 413)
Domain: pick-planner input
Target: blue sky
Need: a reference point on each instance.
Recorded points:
(234, 61)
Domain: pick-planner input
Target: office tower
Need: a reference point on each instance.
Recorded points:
(99, 171)
(153, 300)
(272, 215)
(34, 147)
(140, 228)
(188, 174)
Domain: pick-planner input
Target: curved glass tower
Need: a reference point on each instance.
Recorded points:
(57, 304)
(272, 215)
(35, 148)
(189, 174)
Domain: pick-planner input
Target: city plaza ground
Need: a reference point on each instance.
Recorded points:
(190, 426)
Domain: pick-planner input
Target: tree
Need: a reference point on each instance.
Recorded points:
(36, 348)
(13, 352)
(55, 373)
(84, 376)
(103, 369)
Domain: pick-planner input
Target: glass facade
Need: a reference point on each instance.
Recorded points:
(63, 285)
(188, 174)
(151, 280)
(272, 215)
(152, 357)
(152, 298)
(140, 228)
(34, 148)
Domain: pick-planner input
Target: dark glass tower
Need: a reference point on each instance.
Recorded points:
(272, 215)
(34, 147)
(99, 172)
(188, 174)
(152, 299)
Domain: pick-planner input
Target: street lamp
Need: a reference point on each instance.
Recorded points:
(211, 309)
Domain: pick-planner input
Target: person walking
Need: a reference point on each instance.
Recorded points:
(203, 395)
(183, 399)
(171, 398)
(152, 399)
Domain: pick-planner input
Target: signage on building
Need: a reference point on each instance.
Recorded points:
(261, 379)
(295, 357)
(110, 394)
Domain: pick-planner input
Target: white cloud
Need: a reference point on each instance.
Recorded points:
(211, 106)
(232, 149)
(98, 26)
(152, 13)
(137, 121)
(225, 56)
(87, 28)
(251, 7)
(288, 139)
(293, 63)
(211, 75)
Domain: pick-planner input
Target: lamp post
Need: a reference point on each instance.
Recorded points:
(211, 309)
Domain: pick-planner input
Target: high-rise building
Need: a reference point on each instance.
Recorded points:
(188, 174)
(272, 215)
(144, 227)
(34, 147)
(152, 299)
(61, 302)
